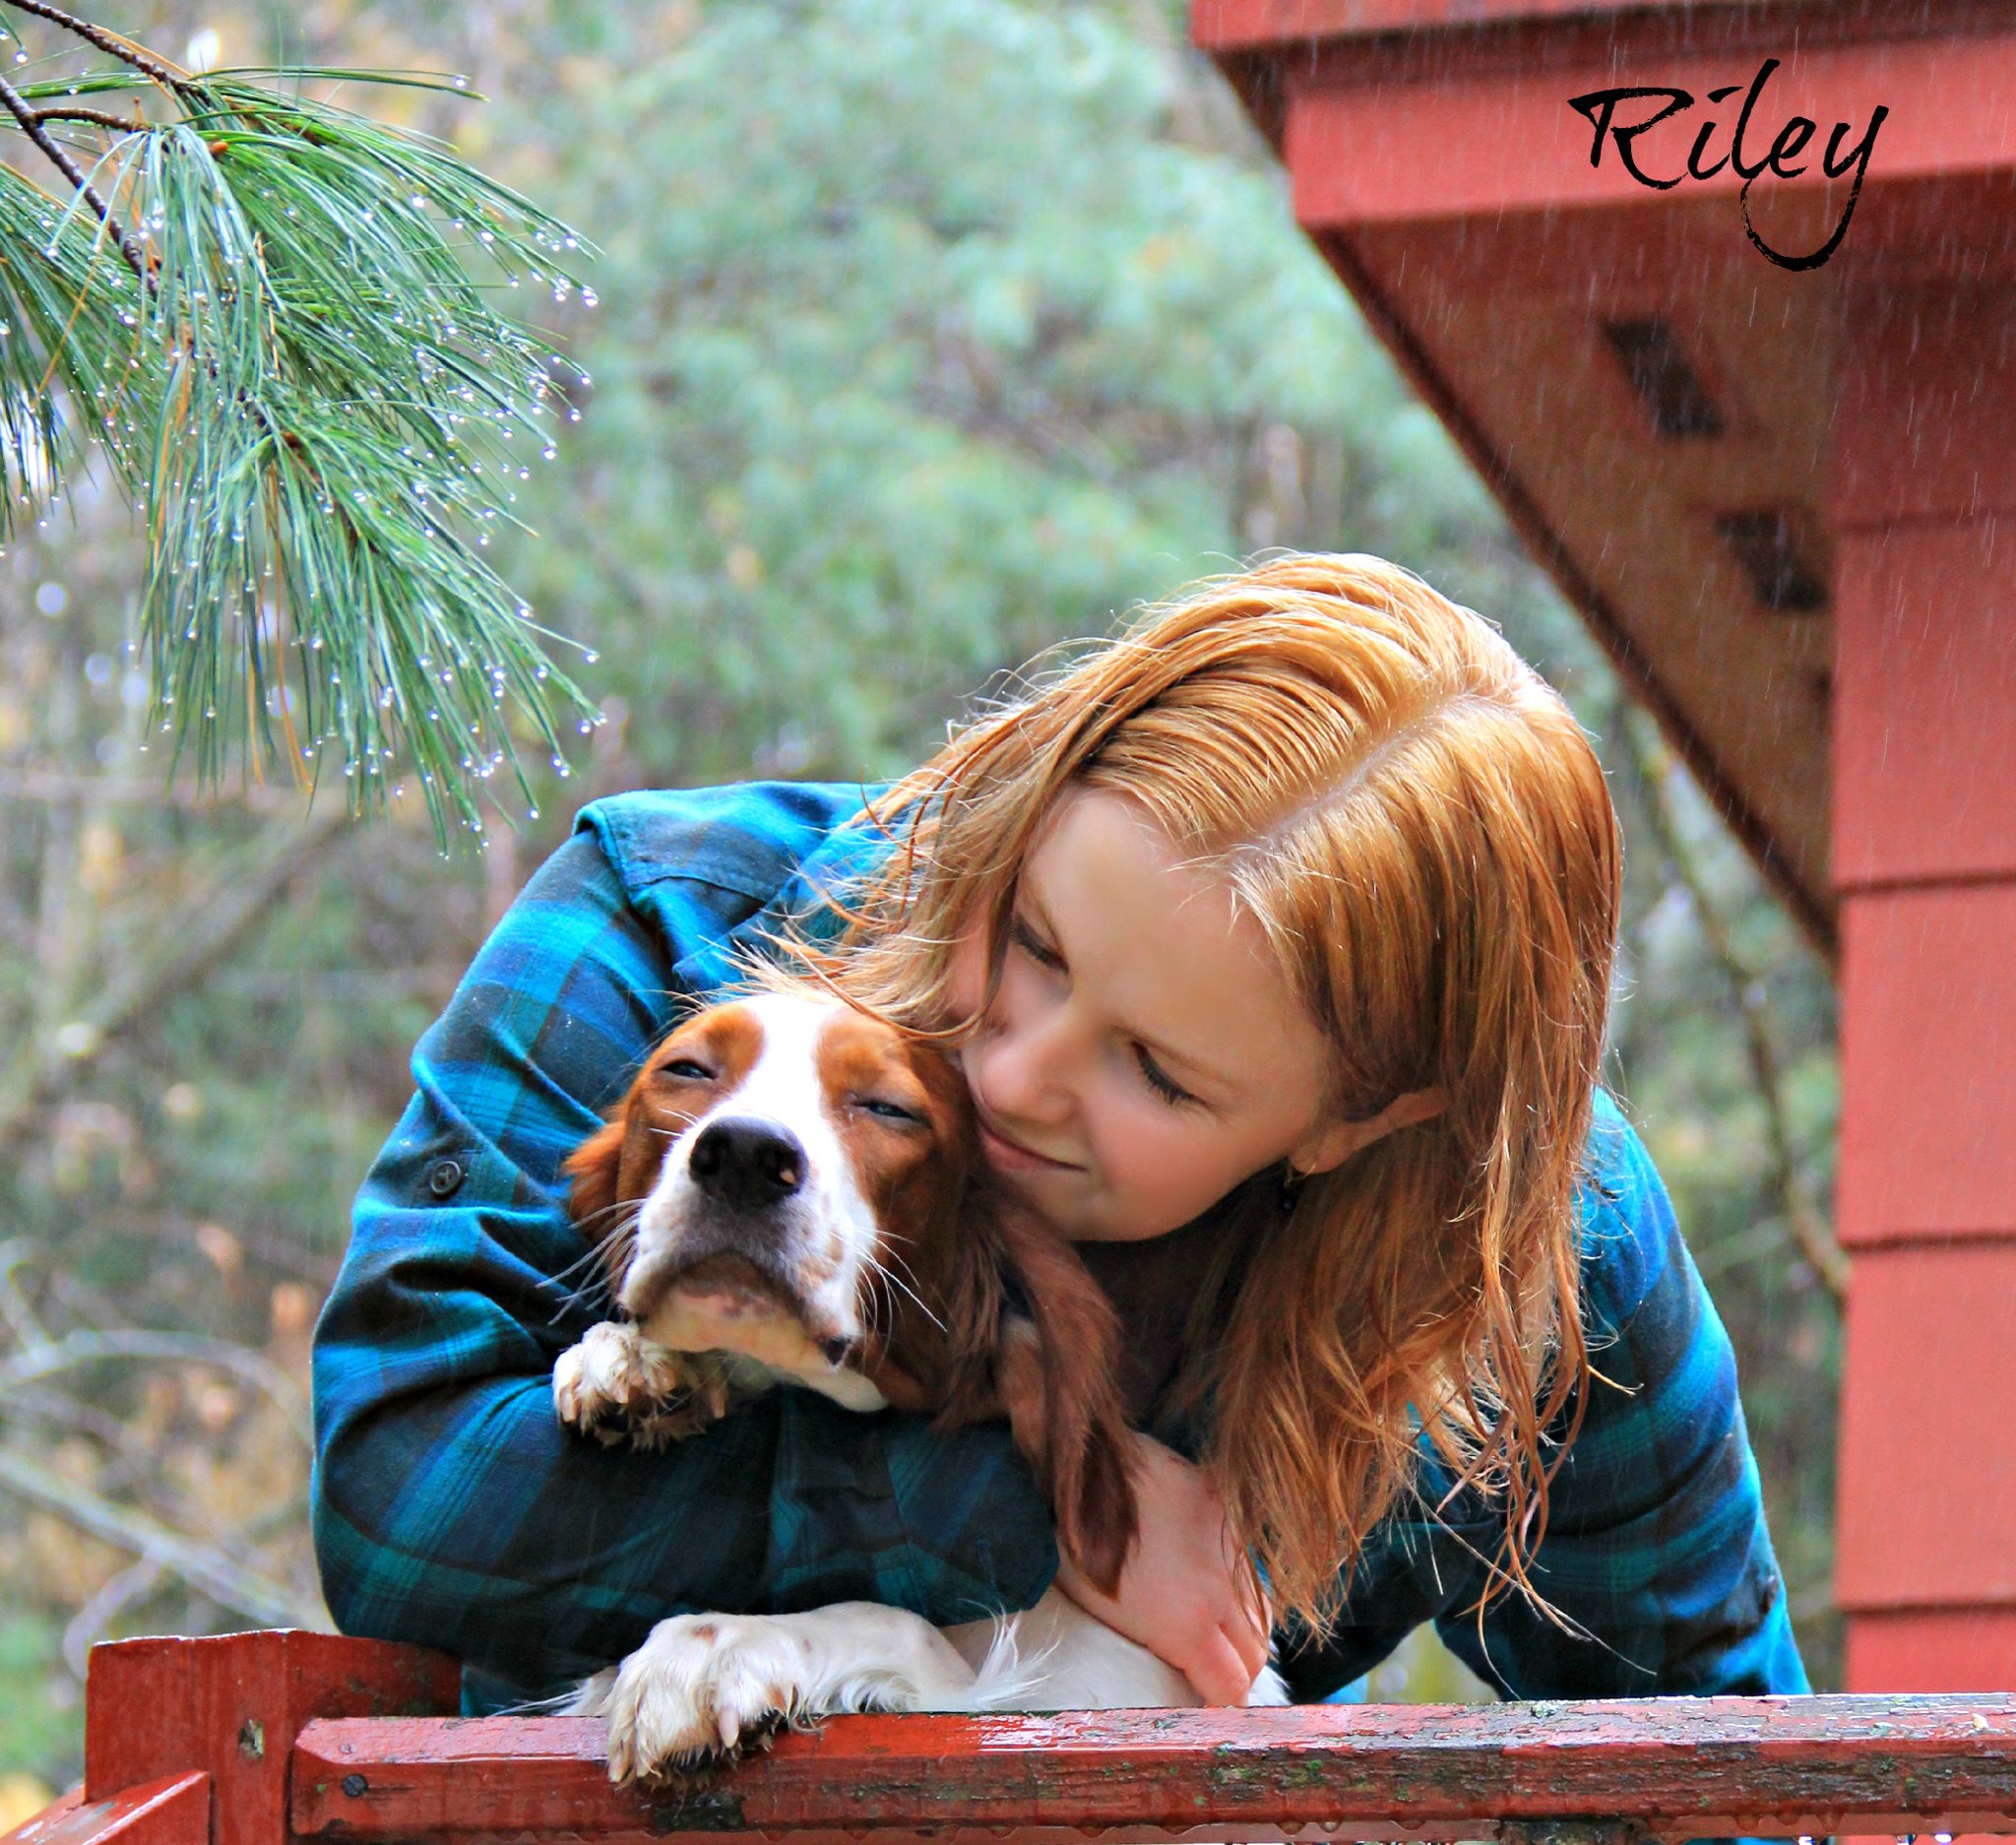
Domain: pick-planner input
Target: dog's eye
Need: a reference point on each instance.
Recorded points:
(685, 1071)
(890, 1110)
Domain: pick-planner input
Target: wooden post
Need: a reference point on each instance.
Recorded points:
(227, 1709)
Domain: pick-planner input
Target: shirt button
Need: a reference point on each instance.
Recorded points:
(444, 1178)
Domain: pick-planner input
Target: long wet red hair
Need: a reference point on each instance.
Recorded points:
(1423, 832)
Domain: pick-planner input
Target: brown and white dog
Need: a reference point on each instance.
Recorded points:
(792, 1192)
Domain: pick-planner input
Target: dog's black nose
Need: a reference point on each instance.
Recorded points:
(746, 1165)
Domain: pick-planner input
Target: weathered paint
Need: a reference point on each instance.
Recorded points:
(248, 1706)
(1675, 1766)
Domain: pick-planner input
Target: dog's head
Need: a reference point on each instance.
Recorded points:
(793, 1180)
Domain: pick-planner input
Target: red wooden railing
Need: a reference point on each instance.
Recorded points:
(265, 1738)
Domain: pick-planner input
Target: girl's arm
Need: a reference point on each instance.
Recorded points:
(449, 1506)
(1184, 1593)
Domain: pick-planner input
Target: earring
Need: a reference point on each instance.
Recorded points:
(1289, 1188)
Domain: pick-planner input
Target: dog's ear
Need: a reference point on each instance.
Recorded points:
(1057, 1373)
(939, 1330)
(596, 1168)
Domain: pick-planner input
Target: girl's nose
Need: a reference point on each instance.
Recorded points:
(1021, 1069)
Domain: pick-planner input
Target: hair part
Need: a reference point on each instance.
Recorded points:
(1424, 835)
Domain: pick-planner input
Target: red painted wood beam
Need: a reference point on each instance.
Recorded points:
(1475, 146)
(1674, 1766)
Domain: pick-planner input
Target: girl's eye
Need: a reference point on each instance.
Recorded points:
(890, 1110)
(1032, 945)
(1158, 1081)
(685, 1071)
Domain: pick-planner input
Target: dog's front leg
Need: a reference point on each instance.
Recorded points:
(703, 1685)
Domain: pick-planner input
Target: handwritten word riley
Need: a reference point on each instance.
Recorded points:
(1741, 153)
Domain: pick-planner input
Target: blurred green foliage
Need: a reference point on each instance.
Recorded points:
(931, 333)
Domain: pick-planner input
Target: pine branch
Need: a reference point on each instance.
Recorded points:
(317, 409)
(31, 121)
(169, 76)
(103, 118)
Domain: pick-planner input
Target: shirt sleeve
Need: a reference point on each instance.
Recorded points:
(449, 1506)
(1657, 1559)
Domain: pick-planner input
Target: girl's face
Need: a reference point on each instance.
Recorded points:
(1143, 1055)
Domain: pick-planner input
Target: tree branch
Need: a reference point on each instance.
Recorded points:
(105, 118)
(225, 1578)
(208, 932)
(1656, 767)
(49, 786)
(87, 1626)
(15, 1307)
(88, 1348)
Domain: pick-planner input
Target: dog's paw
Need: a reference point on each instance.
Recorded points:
(617, 1385)
(701, 1690)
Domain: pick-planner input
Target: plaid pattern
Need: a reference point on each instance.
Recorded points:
(450, 1508)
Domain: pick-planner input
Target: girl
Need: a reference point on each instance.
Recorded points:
(1275, 937)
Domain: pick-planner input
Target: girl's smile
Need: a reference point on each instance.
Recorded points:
(1010, 1156)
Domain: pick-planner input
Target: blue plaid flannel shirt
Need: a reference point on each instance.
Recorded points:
(450, 1508)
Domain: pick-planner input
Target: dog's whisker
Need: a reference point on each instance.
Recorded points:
(910, 1286)
(596, 1289)
(601, 1244)
(889, 1275)
(607, 1210)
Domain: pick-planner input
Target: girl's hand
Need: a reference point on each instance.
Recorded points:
(1186, 1593)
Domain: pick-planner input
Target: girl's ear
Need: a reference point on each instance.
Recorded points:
(1328, 1147)
(1058, 1377)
